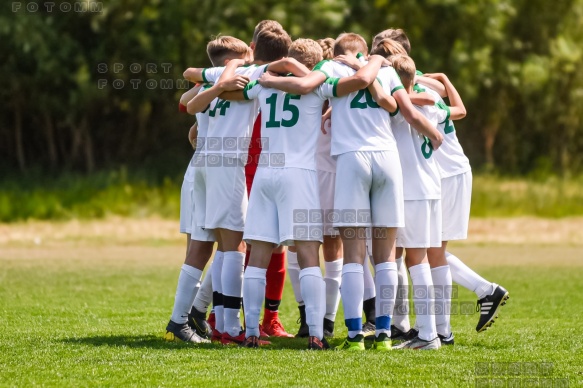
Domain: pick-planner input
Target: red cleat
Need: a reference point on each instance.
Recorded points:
(274, 328)
(211, 320)
(228, 339)
(262, 333)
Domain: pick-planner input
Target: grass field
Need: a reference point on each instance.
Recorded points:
(80, 310)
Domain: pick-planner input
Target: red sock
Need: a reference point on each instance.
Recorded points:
(275, 279)
(247, 255)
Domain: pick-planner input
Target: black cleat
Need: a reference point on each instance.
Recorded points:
(197, 322)
(488, 307)
(398, 336)
(446, 340)
(182, 333)
(314, 343)
(328, 328)
(304, 330)
(250, 342)
(368, 330)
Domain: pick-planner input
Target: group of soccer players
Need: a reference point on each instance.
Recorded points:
(308, 143)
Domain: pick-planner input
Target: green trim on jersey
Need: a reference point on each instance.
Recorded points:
(359, 55)
(319, 65)
(206, 81)
(334, 83)
(418, 89)
(418, 72)
(395, 112)
(397, 88)
(247, 88)
(380, 82)
(443, 105)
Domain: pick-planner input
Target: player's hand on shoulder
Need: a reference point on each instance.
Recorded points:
(266, 78)
(350, 61)
(437, 76)
(237, 82)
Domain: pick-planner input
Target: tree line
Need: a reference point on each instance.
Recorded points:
(96, 87)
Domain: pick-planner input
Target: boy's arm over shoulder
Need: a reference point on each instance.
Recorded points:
(457, 109)
(293, 85)
(288, 65)
(249, 92)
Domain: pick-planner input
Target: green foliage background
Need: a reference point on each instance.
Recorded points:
(515, 63)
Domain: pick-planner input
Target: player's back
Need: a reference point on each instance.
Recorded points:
(358, 122)
(291, 125)
(450, 158)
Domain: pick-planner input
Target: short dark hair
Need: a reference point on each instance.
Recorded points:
(271, 45)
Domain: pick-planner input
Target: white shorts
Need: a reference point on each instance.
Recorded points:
(284, 206)
(199, 191)
(422, 225)
(369, 190)
(226, 193)
(326, 185)
(186, 208)
(456, 200)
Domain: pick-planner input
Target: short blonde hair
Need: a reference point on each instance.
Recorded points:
(350, 42)
(306, 51)
(225, 47)
(265, 25)
(397, 35)
(388, 47)
(405, 67)
(327, 45)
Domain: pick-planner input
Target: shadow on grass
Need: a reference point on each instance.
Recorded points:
(157, 342)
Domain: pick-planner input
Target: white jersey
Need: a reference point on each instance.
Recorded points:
(421, 179)
(358, 122)
(325, 162)
(290, 124)
(231, 122)
(450, 157)
(202, 118)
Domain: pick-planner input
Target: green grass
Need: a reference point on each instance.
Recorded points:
(139, 195)
(95, 317)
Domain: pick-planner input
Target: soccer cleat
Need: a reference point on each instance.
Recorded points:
(262, 333)
(446, 340)
(419, 344)
(176, 332)
(274, 328)
(197, 322)
(228, 339)
(250, 342)
(211, 320)
(369, 329)
(398, 336)
(382, 343)
(488, 307)
(355, 344)
(304, 330)
(314, 343)
(328, 328)
(216, 336)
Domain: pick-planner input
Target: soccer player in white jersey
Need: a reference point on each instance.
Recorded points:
(456, 173)
(226, 187)
(221, 51)
(291, 123)
(369, 190)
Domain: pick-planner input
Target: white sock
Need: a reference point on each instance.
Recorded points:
(216, 269)
(188, 283)
(386, 287)
(369, 287)
(441, 277)
(423, 298)
(464, 276)
(401, 313)
(293, 271)
(232, 282)
(204, 296)
(314, 296)
(253, 296)
(332, 278)
(352, 290)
